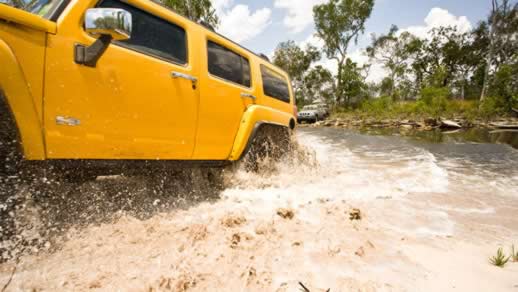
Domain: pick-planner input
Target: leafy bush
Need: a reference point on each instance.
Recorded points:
(377, 107)
(503, 88)
(434, 100)
(492, 106)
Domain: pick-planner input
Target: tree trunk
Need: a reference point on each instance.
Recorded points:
(338, 89)
(463, 90)
(490, 54)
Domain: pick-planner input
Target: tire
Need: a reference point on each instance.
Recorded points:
(10, 167)
(271, 143)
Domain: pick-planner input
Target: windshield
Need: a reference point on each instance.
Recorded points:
(43, 8)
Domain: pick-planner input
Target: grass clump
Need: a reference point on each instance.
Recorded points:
(499, 259)
(514, 254)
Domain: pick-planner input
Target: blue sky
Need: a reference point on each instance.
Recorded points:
(403, 13)
(262, 25)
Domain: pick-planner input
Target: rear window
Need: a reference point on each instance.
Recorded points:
(228, 65)
(274, 85)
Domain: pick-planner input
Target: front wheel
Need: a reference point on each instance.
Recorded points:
(271, 143)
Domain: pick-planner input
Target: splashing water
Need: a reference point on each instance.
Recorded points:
(290, 223)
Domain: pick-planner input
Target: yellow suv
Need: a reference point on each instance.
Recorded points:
(95, 83)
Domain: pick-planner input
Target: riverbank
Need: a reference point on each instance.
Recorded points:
(352, 121)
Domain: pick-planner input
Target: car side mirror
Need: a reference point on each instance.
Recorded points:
(116, 23)
(106, 24)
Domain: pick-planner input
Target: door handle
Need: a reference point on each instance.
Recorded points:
(248, 95)
(176, 75)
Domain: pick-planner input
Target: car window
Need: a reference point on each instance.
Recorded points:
(43, 8)
(152, 35)
(275, 85)
(228, 65)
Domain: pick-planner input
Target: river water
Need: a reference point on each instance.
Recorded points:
(434, 207)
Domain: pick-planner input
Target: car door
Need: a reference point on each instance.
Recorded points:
(129, 106)
(226, 92)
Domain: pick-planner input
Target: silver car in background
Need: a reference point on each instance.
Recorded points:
(310, 114)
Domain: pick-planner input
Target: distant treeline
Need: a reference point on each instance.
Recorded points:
(479, 65)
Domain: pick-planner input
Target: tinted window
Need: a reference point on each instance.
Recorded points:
(153, 35)
(275, 85)
(228, 65)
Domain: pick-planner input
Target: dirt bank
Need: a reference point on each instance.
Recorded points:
(424, 124)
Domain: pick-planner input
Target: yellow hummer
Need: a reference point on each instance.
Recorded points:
(123, 84)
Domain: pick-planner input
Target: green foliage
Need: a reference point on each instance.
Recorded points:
(492, 106)
(377, 107)
(318, 84)
(434, 100)
(385, 107)
(393, 52)
(499, 259)
(338, 22)
(514, 254)
(353, 85)
(196, 10)
(505, 86)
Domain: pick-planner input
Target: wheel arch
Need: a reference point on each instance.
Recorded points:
(19, 105)
(253, 120)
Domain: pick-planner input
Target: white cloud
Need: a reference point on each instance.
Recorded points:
(299, 13)
(221, 5)
(238, 23)
(376, 72)
(436, 18)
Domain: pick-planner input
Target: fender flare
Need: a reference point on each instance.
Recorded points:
(253, 119)
(14, 89)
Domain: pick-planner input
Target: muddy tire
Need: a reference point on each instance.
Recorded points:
(270, 145)
(10, 166)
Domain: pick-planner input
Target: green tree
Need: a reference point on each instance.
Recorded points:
(196, 10)
(503, 28)
(353, 84)
(338, 23)
(447, 59)
(393, 52)
(318, 84)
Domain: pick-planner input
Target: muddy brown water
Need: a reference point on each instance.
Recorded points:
(433, 209)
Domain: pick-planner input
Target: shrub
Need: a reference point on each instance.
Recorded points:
(514, 254)
(500, 259)
(492, 106)
(377, 107)
(433, 101)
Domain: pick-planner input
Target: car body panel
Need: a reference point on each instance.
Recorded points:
(125, 109)
(14, 87)
(254, 116)
(128, 107)
(27, 19)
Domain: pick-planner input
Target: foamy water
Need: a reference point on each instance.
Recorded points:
(421, 204)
